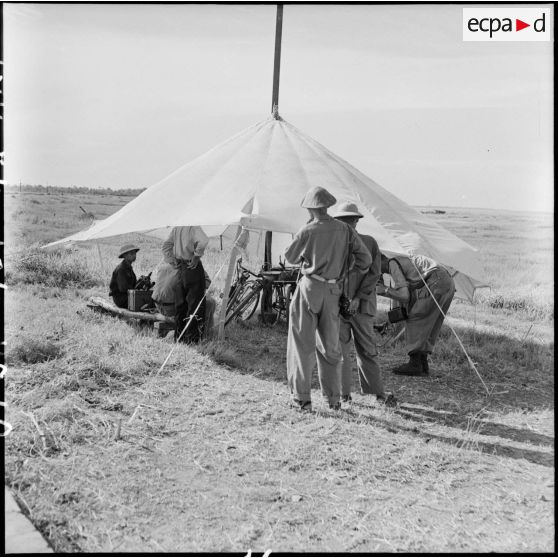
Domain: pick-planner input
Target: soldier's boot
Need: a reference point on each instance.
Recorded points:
(411, 368)
(424, 362)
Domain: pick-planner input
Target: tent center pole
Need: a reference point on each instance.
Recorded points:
(277, 61)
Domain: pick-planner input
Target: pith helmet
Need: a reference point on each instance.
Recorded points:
(317, 197)
(347, 209)
(127, 248)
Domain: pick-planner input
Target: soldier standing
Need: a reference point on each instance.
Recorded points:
(321, 246)
(360, 325)
(184, 249)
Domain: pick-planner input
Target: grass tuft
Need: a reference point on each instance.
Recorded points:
(54, 269)
(33, 351)
(532, 306)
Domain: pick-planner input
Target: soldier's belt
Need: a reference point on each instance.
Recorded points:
(321, 279)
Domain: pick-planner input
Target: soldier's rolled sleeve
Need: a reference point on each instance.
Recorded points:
(168, 248)
(293, 253)
(362, 257)
(367, 288)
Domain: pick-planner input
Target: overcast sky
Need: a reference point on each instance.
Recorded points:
(108, 95)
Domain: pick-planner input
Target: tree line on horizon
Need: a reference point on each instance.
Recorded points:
(41, 189)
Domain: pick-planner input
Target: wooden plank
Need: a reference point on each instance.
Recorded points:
(101, 261)
(113, 309)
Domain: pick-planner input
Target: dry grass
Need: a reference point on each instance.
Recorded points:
(208, 456)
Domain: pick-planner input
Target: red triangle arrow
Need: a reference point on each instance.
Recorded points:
(519, 25)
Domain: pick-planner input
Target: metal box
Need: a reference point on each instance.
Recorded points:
(137, 299)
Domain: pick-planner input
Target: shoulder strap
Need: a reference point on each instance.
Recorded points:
(345, 271)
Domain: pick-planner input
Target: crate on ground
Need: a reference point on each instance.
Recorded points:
(162, 328)
(138, 299)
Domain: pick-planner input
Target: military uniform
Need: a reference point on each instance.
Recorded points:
(360, 327)
(321, 246)
(167, 293)
(424, 317)
(180, 247)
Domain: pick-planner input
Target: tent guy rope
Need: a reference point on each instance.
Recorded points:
(234, 246)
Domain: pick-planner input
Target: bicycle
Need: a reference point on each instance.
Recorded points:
(278, 293)
(277, 286)
(244, 294)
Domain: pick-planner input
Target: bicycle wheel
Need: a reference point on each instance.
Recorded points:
(246, 302)
(275, 309)
(235, 294)
(250, 307)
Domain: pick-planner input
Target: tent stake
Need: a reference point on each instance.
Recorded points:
(101, 259)
(227, 287)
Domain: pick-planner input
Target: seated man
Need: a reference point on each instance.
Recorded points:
(123, 277)
(168, 295)
(167, 292)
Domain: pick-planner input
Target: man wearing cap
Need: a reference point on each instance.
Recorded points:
(183, 249)
(123, 277)
(361, 290)
(321, 246)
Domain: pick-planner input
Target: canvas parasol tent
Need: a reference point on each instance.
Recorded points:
(257, 179)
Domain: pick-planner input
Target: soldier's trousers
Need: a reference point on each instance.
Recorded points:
(425, 319)
(314, 336)
(361, 328)
(193, 288)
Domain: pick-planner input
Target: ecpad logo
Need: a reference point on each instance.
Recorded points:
(506, 24)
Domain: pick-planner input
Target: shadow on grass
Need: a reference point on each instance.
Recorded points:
(519, 375)
(493, 448)
(480, 425)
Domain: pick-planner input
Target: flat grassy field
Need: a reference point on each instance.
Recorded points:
(210, 458)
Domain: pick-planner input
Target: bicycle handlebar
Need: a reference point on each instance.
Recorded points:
(262, 272)
(245, 269)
